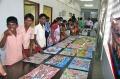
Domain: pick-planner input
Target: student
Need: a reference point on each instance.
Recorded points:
(95, 27)
(65, 24)
(73, 17)
(80, 23)
(69, 24)
(39, 34)
(88, 23)
(47, 29)
(13, 40)
(63, 30)
(2, 71)
(75, 28)
(28, 33)
(54, 36)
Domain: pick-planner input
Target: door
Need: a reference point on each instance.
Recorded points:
(33, 8)
(48, 12)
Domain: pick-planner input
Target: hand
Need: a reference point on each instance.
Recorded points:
(31, 53)
(8, 32)
(2, 71)
(27, 58)
(118, 55)
(54, 42)
(41, 50)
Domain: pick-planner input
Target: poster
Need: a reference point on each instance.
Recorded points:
(114, 45)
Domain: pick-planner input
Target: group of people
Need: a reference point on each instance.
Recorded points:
(19, 41)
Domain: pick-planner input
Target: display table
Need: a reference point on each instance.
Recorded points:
(22, 68)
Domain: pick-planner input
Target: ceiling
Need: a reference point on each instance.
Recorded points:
(95, 4)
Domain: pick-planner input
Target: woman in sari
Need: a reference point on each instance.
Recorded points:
(54, 36)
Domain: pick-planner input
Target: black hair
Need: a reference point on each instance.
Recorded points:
(42, 15)
(47, 17)
(61, 18)
(69, 20)
(29, 15)
(56, 20)
(64, 21)
(80, 18)
(73, 20)
(88, 18)
(12, 19)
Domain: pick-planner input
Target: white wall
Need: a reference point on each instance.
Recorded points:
(10, 8)
(58, 7)
(16, 8)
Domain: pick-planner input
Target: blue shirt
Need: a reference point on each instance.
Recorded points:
(47, 26)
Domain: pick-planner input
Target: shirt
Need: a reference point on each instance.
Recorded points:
(88, 22)
(27, 35)
(13, 48)
(40, 35)
(95, 25)
(47, 26)
(81, 23)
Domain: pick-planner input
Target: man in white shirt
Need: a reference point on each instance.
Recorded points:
(39, 34)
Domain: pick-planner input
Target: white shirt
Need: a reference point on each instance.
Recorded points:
(40, 35)
(95, 25)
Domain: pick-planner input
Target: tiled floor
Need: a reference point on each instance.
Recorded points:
(97, 67)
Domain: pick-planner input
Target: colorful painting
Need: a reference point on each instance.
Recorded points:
(74, 46)
(80, 41)
(67, 41)
(91, 47)
(74, 74)
(58, 61)
(61, 45)
(69, 52)
(37, 58)
(86, 54)
(71, 38)
(52, 50)
(80, 63)
(41, 72)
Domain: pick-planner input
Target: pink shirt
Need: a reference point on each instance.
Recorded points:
(13, 49)
(27, 35)
(88, 22)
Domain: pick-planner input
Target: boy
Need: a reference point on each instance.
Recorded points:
(47, 29)
(39, 34)
(13, 40)
(28, 33)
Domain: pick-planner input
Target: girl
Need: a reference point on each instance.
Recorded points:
(54, 36)
(63, 30)
(13, 40)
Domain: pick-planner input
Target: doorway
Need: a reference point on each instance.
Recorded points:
(33, 8)
(48, 11)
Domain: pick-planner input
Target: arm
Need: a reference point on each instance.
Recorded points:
(64, 33)
(52, 35)
(41, 50)
(31, 46)
(4, 39)
(24, 56)
(2, 71)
